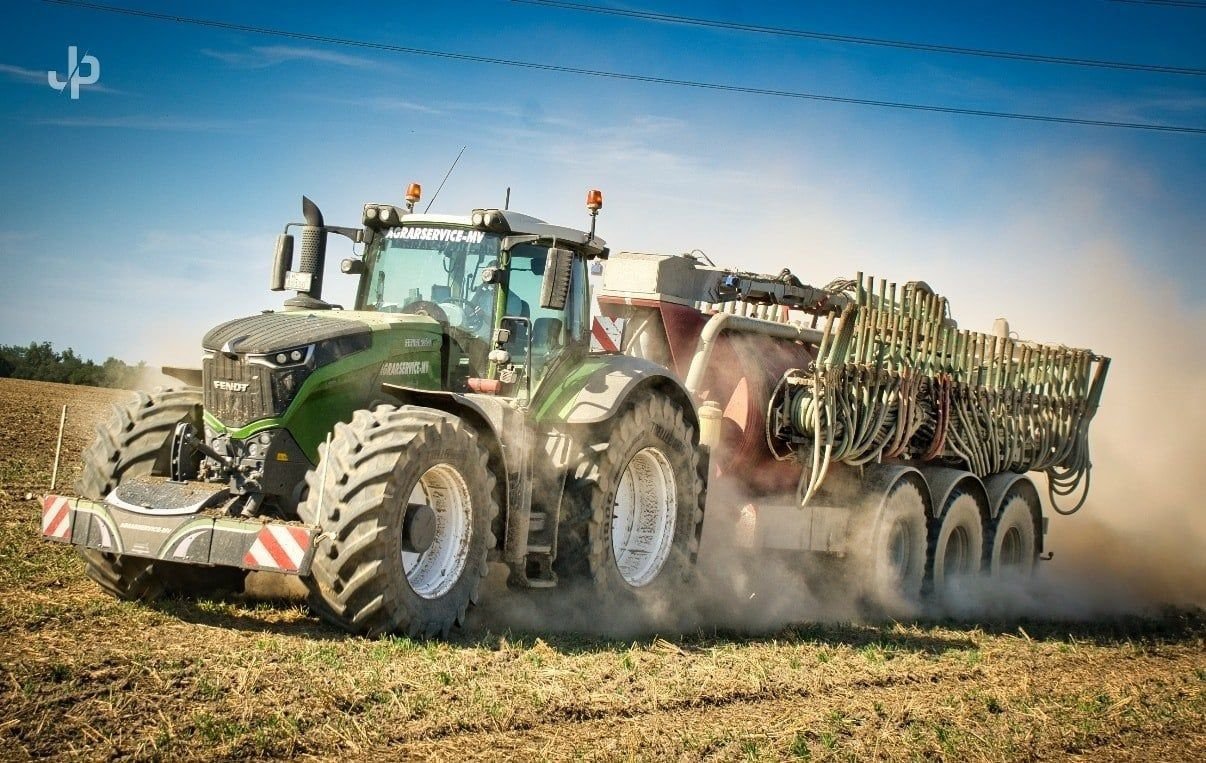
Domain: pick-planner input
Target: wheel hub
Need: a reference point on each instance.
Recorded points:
(957, 560)
(443, 492)
(642, 524)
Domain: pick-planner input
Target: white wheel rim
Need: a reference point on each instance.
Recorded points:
(435, 571)
(957, 558)
(899, 543)
(900, 551)
(642, 522)
(1011, 549)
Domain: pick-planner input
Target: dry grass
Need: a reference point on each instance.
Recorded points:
(84, 676)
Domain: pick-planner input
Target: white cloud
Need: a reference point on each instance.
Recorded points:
(264, 56)
(39, 77)
(144, 122)
(21, 74)
(400, 104)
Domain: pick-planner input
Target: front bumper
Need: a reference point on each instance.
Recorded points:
(251, 544)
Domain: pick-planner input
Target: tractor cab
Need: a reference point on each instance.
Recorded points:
(509, 291)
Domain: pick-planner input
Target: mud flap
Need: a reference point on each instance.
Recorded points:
(250, 544)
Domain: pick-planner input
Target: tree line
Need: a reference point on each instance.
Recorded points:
(41, 362)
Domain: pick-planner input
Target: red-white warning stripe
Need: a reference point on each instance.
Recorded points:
(606, 333)
(278, 547)
(56, 517)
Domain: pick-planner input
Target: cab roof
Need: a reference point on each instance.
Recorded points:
(519, 224)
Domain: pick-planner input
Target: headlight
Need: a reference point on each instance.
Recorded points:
(285, 358)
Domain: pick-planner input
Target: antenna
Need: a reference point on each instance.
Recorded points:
(446, 174)
(507, 203)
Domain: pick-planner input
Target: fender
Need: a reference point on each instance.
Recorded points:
(943, 481)
(190, 376)
(1001, 485)
(594, 390)
(487, 414)
(878, 479)
(510, 442)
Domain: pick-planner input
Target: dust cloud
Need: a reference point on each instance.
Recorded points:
(1137, 546)
(1140, 541)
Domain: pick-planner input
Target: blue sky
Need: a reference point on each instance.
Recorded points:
(140, 215)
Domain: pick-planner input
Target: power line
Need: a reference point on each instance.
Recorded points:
(1168, 3)
(367, 44)
(919, 46)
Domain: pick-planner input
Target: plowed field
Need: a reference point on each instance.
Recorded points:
(82, 675)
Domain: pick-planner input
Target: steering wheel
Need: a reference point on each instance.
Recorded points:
(474, 315)
(425, 307)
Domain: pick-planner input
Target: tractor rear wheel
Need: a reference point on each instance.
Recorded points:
(380, 472)
(127, 445)
(636, 507)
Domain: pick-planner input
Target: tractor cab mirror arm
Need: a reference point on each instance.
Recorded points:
(355, 234)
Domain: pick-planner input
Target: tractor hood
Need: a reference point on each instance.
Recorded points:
(274, 332)
(254, 368)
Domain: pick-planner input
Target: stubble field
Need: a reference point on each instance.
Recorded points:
(82, 675)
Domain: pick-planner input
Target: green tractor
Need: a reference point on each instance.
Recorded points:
(388, 453)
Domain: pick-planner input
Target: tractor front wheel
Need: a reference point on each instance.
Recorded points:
(127, 445)
(405, 502)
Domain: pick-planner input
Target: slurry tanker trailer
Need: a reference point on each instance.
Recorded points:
(487, 399)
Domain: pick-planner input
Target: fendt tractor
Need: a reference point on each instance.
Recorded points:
(506, 390)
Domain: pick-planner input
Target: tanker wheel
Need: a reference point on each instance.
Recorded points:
(127, 445)
(384, 463)
(897, 547)
(635, 509)
(957, 546)
(1013, 537)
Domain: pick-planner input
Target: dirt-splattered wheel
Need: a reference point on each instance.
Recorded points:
(381, 472)
(895, 554)
(1013, 536)
(957, 545)
(127, 445)
(636, 506)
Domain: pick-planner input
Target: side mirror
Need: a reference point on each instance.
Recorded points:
(554, 289)
(282, 262)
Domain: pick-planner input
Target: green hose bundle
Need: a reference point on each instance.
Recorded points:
(894, 378)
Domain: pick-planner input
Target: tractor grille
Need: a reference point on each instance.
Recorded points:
(229, 401)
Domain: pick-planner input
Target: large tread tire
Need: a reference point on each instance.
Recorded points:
(652, 422)
(358, 495)
(127, 445)
(957, 544)
(896, 548)
(1012, 541)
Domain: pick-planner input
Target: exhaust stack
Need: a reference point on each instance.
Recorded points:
(307, 280)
